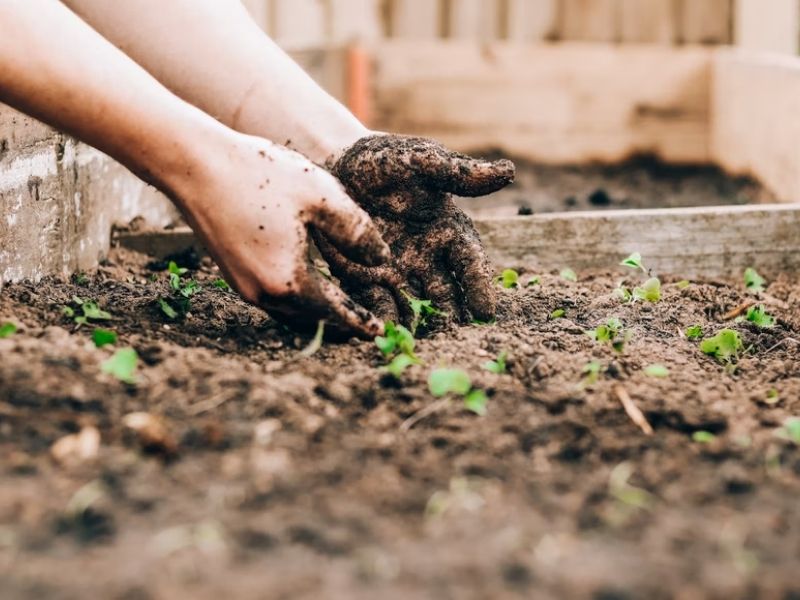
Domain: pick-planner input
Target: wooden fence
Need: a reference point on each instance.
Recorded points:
(297, 24)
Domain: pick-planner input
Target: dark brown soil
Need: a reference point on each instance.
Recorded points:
(290, 477)
(642, 182)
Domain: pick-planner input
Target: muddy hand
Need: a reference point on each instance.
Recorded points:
(405, 184)
(253, 208)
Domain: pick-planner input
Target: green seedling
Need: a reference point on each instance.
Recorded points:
(725, 346)
(656, 370)
(397, 343)
(90, 310)
(535, 280)
(480, 323)
(442, 382)
(790, 430)
(568, 275)
(703, 437)
(591, 371)
(634, 261)
(7, 330)
(694, 332)
(497, 366)
(316, 342)
(399, 364)
(122, 365)
(623, 293)
(760, 316)
(221, 284)
(611, 332)
(80, 278)
(422, 311)
(180, 303)
(509, 278)
(103, 337)
(558, 313)
(650, 291)
(620, 488)
(753, 281)
(773, 397)
(683, 284)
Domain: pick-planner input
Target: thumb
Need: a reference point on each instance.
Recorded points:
(466, 176)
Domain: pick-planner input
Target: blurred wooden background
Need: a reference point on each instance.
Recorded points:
(765, 24)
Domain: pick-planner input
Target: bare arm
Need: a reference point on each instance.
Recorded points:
(211, 53)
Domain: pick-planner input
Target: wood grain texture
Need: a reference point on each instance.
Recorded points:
(590, 20)
(354, 20)
(689, 242)
(473, 19)
(415, 19)
(649, 21)
(550, 103)
(532, 21)
(756, 118)
(706, 21)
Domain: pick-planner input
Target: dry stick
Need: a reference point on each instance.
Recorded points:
(738, 311)
(633, 411)
(781, 343)
(424, 412)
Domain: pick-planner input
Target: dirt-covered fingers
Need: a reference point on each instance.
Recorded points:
(443, 292)
(472, 269)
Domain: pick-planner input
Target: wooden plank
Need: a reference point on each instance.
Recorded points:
(415, 19)
(756, 118)
(528, 20)
(689, 242)
(649, 21)
(549, 103)
(298, 24)
(706, 21)
(590, 20)
(473, 19)
(354, 21)
(772, 28)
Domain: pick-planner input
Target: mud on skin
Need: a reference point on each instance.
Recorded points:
(293, 479)
(406, 185)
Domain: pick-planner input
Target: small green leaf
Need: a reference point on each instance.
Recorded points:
(634, 261)
(760, 316)
(221, 284)
(773, 397)
(399, 364)
(316, 343)
(535, 280)
(695, 332)
(568, 275)
(167, 309)
(497, 366)
(558, 313)
(650, 291)
(703, 437)
(396, 339)
(422, 310)
(592, 371)
(683, 284)
(476, 401)
(623, 293)
(68, 312)
(509, 278)
(753, 281)
(656, 370)
(122, 365)
(790, 430)
(92, 311)
(725, 346)
(7, 330)
(103, 337)
(446, 381)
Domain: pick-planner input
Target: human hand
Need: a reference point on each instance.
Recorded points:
(252, 205)
(405, 184)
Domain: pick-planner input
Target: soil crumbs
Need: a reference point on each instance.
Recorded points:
(236, 466)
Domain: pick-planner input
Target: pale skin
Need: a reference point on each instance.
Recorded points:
(199, 102)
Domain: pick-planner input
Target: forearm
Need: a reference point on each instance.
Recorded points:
(211, 53)
(56, 68)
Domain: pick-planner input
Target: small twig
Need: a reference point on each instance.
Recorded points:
(424, 412)
(633, 411)
(210, 404)
(738, 311)
(781, 343)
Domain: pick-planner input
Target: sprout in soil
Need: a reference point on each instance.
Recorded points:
(634, 261)
(558, 313)
(760, 316)
(180, 302)
(725, 346)
(591, 371)
(398, 344)
(649, 291)
(694, 332)
(656, 370)
(753, 281)
(316, 342)
(221, 284)
(568, 275)
(535, 280)
(103, 337)
(122, 365)
(7, 330)
(442, 382)
(773, 397)
(790, 430)
(497, 366)
(683, 284)
(90, 310)
(422, 311)
(703, 437)
(611, 332)
(509, 278)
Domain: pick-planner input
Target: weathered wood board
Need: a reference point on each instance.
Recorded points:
(560, 103)
(690, 242)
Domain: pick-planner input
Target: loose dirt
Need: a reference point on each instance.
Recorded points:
(263, 474)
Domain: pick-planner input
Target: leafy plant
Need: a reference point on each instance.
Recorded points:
(221, 284)
(558, 313)
(760, 316)
(497, 366)
(623, 293)
(753, 281)
(122, 365)
(656, 370)
(773, 397)
(399, 364)
(535, 280)
(650, 291)
(790, 430)
(568, 275)
(422, 311)
(611, 332)
(683, 284)
(183, 290)
(7, 330)
(634, 261)
(694, 332)
(442, 382)
(703, 437)
(398, 343)
(725, 346)
(509, 278)
(103, 337)
(90, 310)
(591, 371)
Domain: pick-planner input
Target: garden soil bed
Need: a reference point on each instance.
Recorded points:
(280, 476)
